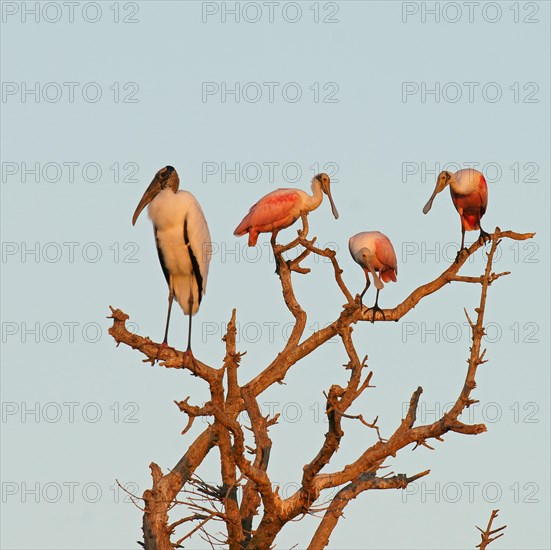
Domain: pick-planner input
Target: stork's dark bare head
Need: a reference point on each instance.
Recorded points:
(165, 178)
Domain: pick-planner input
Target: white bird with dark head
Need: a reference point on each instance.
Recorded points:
(183, 242)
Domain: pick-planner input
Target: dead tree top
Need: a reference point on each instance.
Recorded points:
(245, 467)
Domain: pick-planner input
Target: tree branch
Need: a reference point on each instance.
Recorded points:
(372, 459)
(364, 482)
(486, 535)
(155, 352)
(226, 404)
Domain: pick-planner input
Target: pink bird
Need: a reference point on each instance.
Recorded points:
(470, 197)
(374, 252)
(282, 208)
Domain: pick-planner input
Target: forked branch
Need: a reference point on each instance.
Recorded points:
(229, 398)
(487, 535)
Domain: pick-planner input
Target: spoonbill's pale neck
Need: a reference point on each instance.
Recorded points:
(367, 261)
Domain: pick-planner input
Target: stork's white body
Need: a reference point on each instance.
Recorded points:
(176, 216)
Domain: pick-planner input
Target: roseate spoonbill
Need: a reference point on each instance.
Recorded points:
(183, 242)
(373, 251)
(282, 208)
(469, 196)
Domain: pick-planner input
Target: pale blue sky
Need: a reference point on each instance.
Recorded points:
(379, 144)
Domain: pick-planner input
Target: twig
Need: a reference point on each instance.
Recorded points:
(487, 534)
(364, 482)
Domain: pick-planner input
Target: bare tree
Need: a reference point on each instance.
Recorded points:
(246, 490)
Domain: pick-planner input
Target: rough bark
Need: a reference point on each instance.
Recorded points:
(246, 490)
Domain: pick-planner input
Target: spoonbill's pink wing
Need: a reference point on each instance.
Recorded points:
(472, 207)
(483, 192)
(386, 255)
(270, 209)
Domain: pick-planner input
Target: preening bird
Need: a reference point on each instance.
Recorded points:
(282, 208)
(374, 252)
(183, 242)
(470, 197)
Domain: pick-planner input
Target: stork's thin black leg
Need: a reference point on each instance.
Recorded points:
(164, 344)
(188, 351)
(170, 300)
(376, 308)
(189, 334)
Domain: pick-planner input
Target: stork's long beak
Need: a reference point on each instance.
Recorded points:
(148, 196)
(428, 206)
(333, 207)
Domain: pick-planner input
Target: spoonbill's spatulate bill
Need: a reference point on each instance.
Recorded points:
(183, 241)
(282, 208)
(374, 252)
(470, 197)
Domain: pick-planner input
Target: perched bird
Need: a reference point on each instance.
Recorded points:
(282, 207)
(469, 196)
(183, 242)
(373, 251)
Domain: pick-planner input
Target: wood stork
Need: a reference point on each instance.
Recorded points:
(374, 252)
(469, 196)
(282, 208)
(183, 242)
